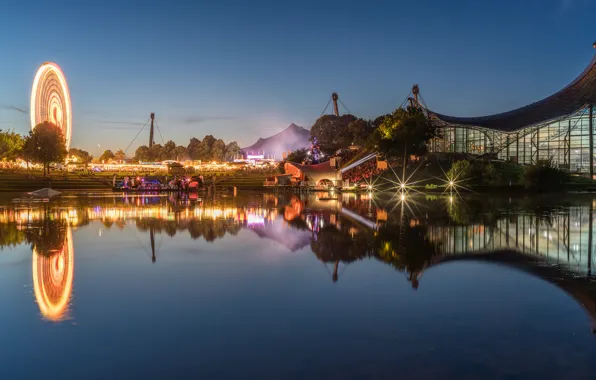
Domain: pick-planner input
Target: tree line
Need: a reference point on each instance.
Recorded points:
(46, 144)
(405, 130)
(207, 149)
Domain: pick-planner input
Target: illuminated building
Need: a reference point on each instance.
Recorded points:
(559, 128)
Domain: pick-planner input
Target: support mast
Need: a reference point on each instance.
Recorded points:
(334, 96)
(151, 141)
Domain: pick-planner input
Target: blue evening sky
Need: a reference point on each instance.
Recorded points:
(244, 69)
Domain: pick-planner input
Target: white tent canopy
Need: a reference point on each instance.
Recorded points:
(45, 193)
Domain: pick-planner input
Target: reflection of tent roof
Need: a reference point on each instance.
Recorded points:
(45, 193)
(570, 99)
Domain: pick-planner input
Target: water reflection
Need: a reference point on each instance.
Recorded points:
(545, 239)
(53, 274)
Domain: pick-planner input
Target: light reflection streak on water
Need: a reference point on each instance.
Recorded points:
(564, 238)
(250, 215)
(560, 239)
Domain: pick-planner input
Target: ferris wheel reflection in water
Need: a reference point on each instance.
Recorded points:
(53, 276)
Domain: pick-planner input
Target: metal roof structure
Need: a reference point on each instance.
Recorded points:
(576, 95)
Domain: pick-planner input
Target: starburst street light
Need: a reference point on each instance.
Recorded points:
(451, 182)
(402, 184)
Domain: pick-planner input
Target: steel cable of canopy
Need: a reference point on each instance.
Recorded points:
(327, 106)
(133, 140)
(346, 108)
(160, 135)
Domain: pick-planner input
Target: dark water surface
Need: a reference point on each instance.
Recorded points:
(289, 287)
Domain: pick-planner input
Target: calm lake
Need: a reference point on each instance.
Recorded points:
(286, 286)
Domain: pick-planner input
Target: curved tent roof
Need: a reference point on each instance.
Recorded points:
(322, 168)
(565, 102)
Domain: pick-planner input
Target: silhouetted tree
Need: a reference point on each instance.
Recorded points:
(120, 155)
(82, 156)
(218, 149)
(181, 153)
(232, 151)
(106, 156)
(360, 130)
(45, 145)
(332, 133)
(143, 154)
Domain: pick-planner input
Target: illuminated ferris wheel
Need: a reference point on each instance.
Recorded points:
(50, 99)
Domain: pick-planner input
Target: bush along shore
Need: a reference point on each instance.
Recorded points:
(485, 176)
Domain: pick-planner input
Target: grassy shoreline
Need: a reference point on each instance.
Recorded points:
(25, 181)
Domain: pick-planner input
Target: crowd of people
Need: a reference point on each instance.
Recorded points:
(182, 183)
(362, 172)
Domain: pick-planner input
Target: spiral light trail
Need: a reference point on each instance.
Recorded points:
(50, 99)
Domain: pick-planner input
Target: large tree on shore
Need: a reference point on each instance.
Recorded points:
(232, 151)
(143, 154)
(181, 153)
(193, 148)
(169, 151)
(218, 150)
(45, 145)
(332, 133)
(360, 131)
(404, 131)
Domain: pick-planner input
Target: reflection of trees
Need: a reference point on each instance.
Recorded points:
(11, 235)
(298, 224)
(47, 236)
(334, 245)
(473, 211)
(487, 210)
(405, 247)
(210, 230)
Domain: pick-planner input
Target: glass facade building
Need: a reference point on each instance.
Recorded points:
(559, 128)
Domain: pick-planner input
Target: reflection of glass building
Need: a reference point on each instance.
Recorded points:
(564, 238)
(556, 128)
